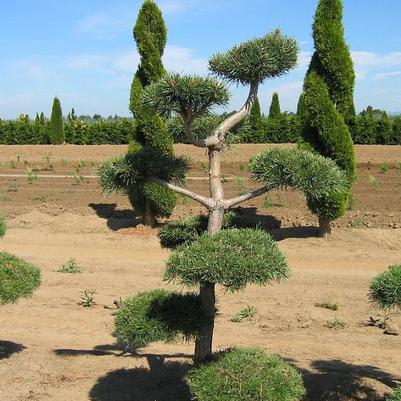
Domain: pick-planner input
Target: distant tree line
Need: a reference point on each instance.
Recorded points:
(370, 127)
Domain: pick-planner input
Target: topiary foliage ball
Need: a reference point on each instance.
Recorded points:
(396, 396)
(187, 95)
(245, 375)
(385, 289)
(159, 315)
(256, 60)
(18, 279)
(3, 227)
(228, 258)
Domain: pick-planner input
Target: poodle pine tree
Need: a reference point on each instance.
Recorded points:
(192, 98)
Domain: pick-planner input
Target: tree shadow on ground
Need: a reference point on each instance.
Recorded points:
(8, 348)
(272, 225)
(116, 219)
(336, 380)
(163, 381)
(117, 350)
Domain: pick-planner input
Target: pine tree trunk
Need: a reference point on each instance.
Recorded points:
(148, 217)
(324, 227)
(204, 342)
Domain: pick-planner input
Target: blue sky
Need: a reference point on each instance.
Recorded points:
(83, 50)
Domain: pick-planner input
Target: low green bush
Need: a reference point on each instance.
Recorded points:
(385, 289)
(396, 396)
(245, 375)
(3, 227)
(158, 315)
(228, 258)
(18, 279)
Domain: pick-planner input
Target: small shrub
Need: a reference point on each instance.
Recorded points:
(3, 227)
(266, 202)
(375, 183)
(71, 267)
(245, 375)
(228, 258)
(398, 166)
(88, 298)
(385, 289)
(18, 279)
(246, 313)
(396, 396)
(327, 305)
(31, 177)
(336, 324)
(158, 315)
(78, 179)
(384, 168)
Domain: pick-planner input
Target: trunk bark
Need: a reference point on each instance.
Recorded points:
(324, 227)
(204, 342)
(148, 217)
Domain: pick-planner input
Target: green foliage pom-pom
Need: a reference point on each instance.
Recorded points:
(3, 227)
(18, 279)
(232, 258)
(245, 375)
(396, 396)
(385, 289)
(256, 60)
(159, 315)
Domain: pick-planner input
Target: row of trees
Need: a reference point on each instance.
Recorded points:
(370, 127)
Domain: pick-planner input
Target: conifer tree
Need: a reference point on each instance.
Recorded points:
(384, 132)
(275, 109)
(232, 258)
(56, 134)
(327, 103)
(255, 122)
(150, 34)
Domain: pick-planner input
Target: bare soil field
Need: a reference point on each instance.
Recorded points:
(51, 348)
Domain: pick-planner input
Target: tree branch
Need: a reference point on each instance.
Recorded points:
(207, 202)
(229, 123)
(250, 195)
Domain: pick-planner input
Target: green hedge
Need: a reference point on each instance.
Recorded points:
(78, 132)
(283, 129)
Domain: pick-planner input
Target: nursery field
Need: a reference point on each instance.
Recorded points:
(53, 348)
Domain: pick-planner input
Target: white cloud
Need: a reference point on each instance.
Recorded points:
(385, 75)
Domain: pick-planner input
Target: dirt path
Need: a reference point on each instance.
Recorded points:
(238, 153)
(51, 348)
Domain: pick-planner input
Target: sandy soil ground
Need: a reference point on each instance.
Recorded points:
(51, 348)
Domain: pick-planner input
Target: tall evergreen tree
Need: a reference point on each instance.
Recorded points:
(327, 103)
(275, 109)
(150, 34)
(255, 122)
(384, 132)
(57, 135)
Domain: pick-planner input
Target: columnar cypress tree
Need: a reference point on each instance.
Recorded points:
(56, 134)
(327, 102)
(275, 109)
(150, 34)
(255, 121)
